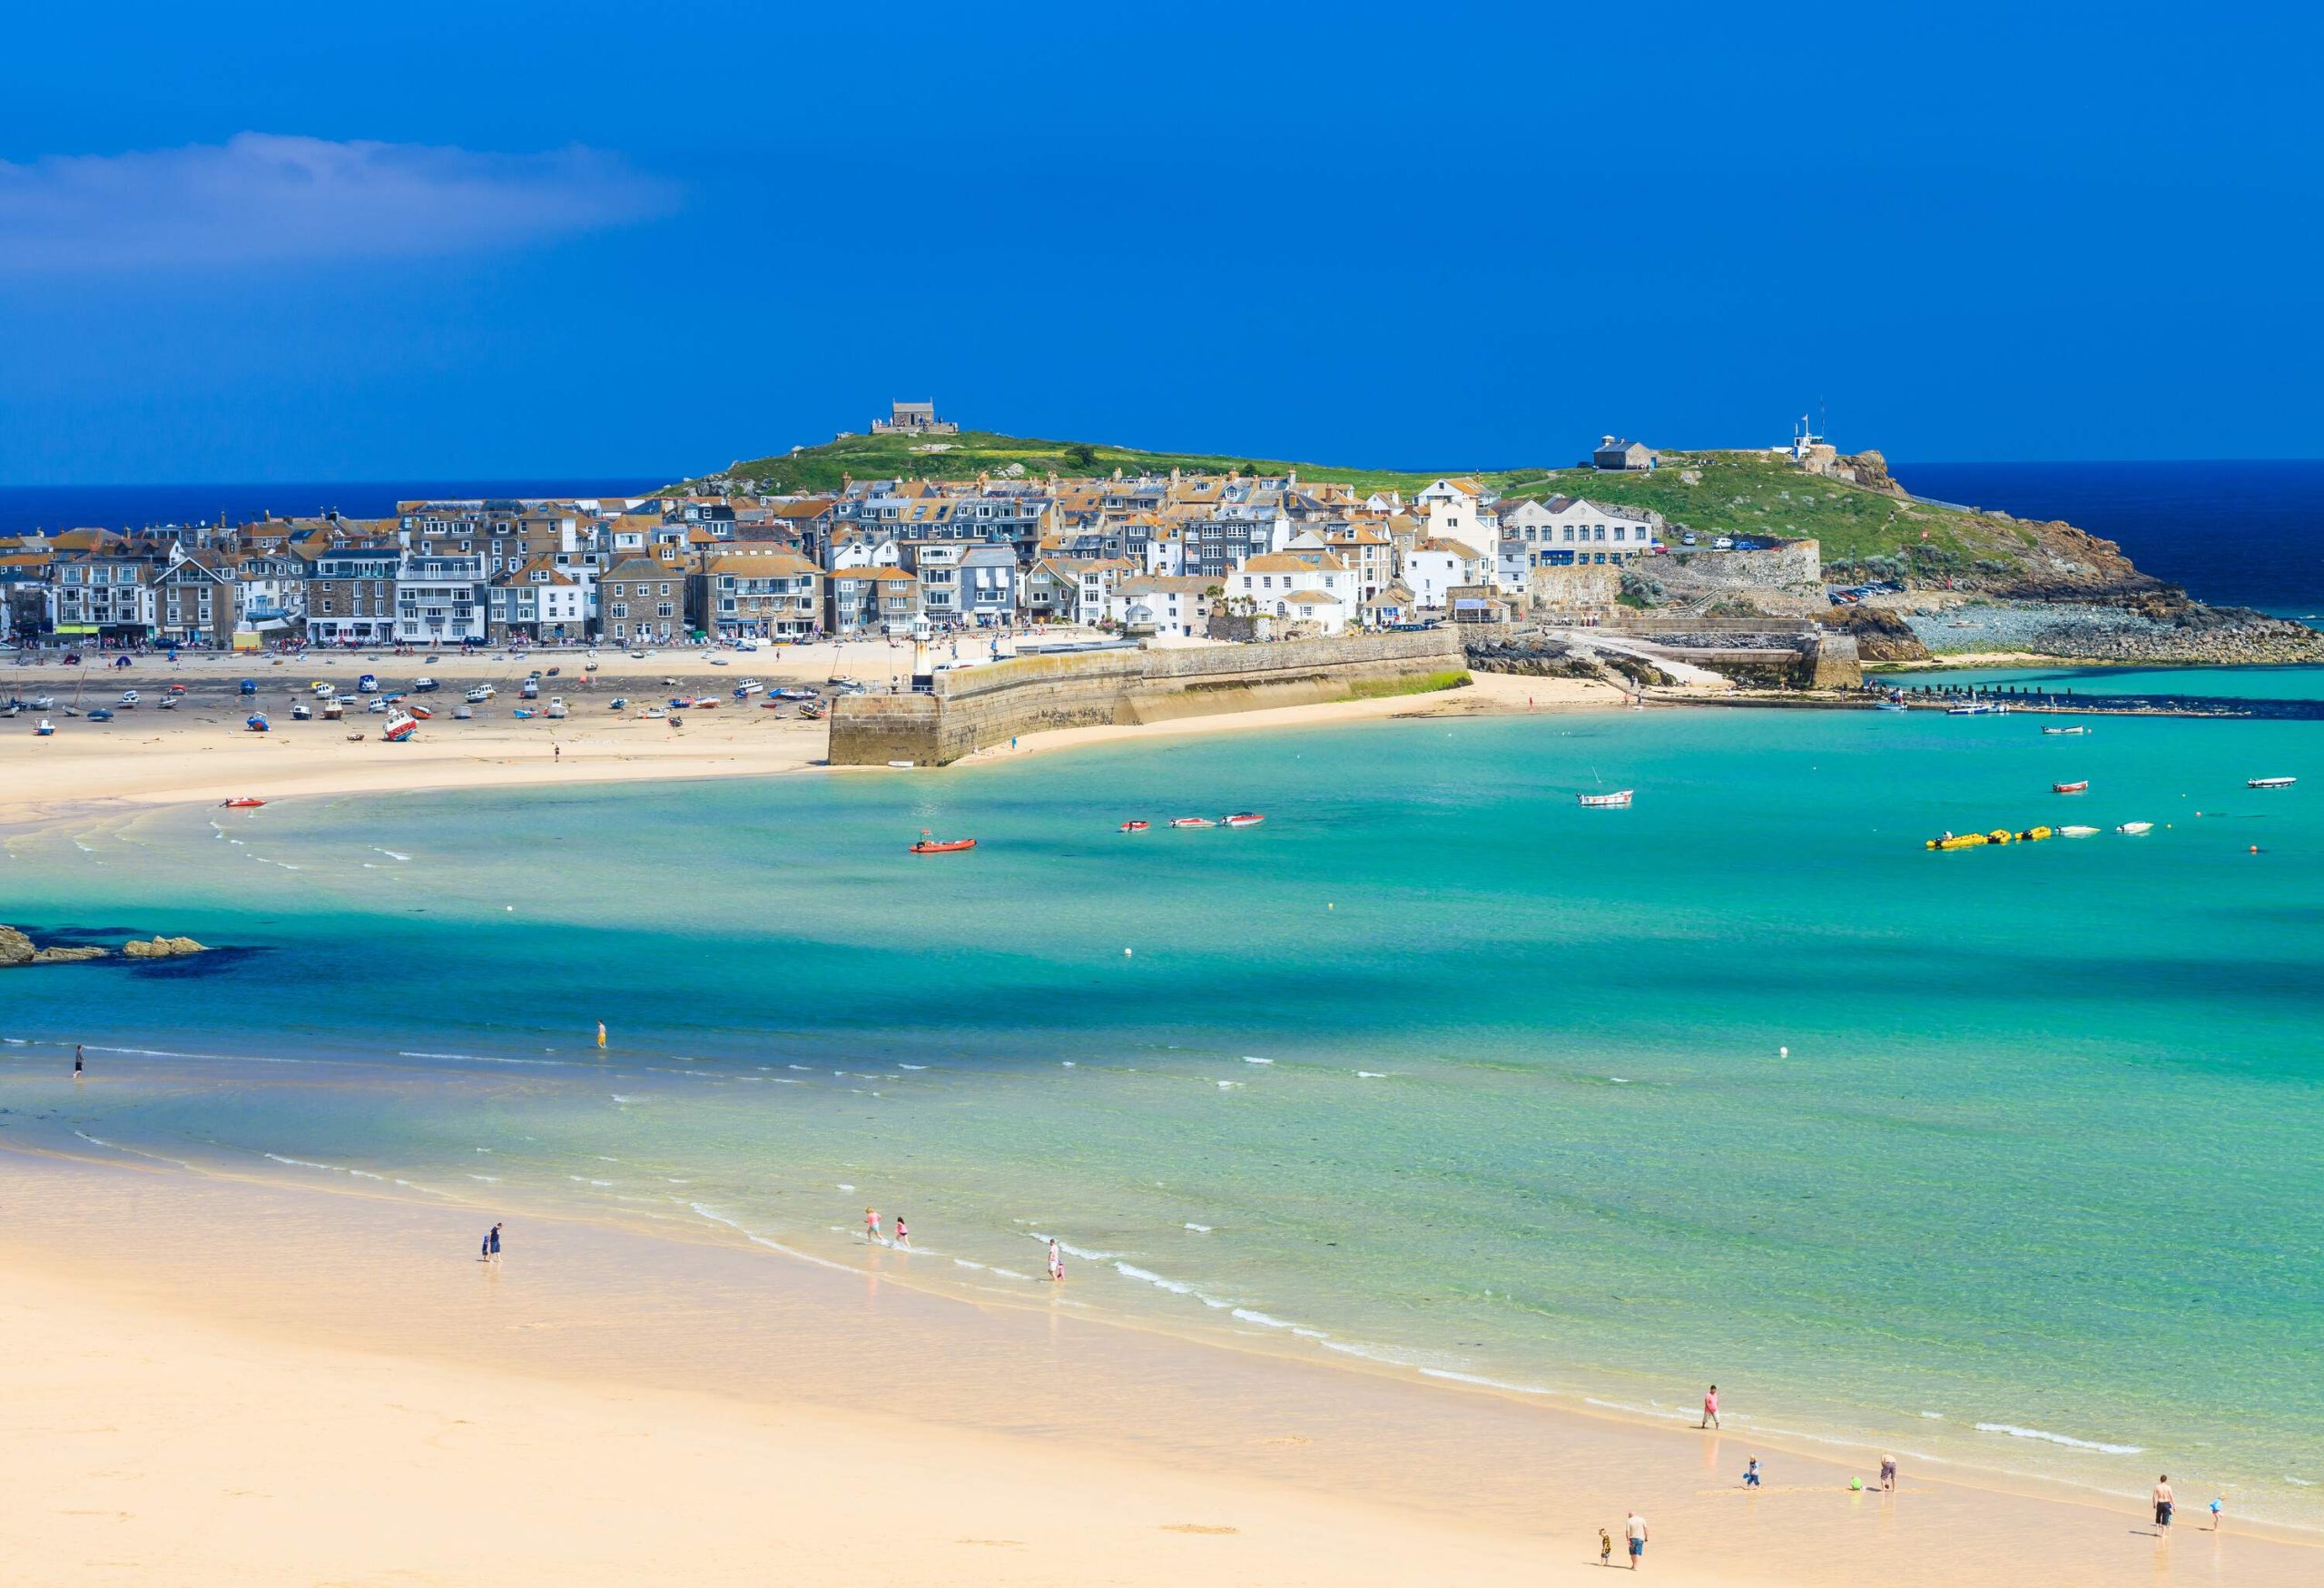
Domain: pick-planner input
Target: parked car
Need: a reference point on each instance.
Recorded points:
(1687, 538)
(1722, 544)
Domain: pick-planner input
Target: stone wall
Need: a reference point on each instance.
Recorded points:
(974, 707)
(1691, 570)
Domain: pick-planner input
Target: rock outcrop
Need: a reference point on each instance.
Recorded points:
(16, 948)
(160, 948)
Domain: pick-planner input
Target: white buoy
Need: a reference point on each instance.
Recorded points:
(1127, 952)
(510, 908)
(1783, 1053)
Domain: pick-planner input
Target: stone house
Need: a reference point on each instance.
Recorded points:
(1613, 452)
(641, 600)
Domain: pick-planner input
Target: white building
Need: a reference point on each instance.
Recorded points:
(1268, 581)
(1568, 532)
(1432, 568)
(440, 598)
(1177, 607)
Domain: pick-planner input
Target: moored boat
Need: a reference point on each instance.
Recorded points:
(244, 803)
(1136, 826)
(2077, 729)
(1619, 799)
(2077, 832)
(2135, 828)
(2269, 781)
(2081, 787)
(1192, 822)
(1245, 819)
(400, 727)
(930, 845)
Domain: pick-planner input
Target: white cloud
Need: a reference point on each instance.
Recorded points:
(260, 197)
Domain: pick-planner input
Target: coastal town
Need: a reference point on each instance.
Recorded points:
(1175, 558)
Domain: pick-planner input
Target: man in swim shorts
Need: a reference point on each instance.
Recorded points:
(1634, 1529)
(2163, 1502)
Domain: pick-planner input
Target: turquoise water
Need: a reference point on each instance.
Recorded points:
(2230, 683)
(1434, 1068)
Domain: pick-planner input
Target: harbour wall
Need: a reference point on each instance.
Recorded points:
(974, 707)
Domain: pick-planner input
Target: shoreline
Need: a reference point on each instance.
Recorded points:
(1109, 1427)
(202, 760)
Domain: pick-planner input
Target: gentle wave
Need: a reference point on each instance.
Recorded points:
(2066, 1439)
(1483, 1383)
(337, 1168)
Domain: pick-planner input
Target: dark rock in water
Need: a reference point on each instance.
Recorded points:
(18, 949)
(160, 948)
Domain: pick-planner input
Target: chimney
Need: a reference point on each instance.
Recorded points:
(1605, 440)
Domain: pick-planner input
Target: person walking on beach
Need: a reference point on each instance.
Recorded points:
(1751, 1474)
(1888, 1474)
(1056, 1263)
(492, 1242)
(76, 1060)
(903, 1236)
(2219, 1503)
(871, 1226)
(484, 1248)
(1711, 1409)
(2162, 1503)
(1634, 1530)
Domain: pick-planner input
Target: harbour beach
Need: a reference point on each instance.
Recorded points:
(199, 756)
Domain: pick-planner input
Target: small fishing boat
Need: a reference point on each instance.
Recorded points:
(45, 729)
(2269, 781)
(463, 713)
(1245, 819)
(2035, 835)
(1618, 800)
(929, 844)
(1977, 708)
(300, 710)
(421, 712)
(244, 803)
(400, 727)
(2134, 828)
(2066, 731)
(557, 707)
(332, 711)
(255, 722)
(481, 692)
(423, 685)
(522, 712)
(2077, 832)
(1892, 705)
(1192, 822)
(1136, 826)
(2081, 787)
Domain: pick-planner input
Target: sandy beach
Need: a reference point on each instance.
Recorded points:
(202, 753)
(219, 1380)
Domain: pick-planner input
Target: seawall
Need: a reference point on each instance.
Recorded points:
(979, 706)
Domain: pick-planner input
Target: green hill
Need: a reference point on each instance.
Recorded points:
(1880, 531)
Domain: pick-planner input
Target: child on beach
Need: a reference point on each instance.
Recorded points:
(2219, 1503)
(1888, 1472)
(903, 1236)
(1605, 1548)
(1711, 1409)
(1751, 1474)
(871, 1226)
(1057, 1262)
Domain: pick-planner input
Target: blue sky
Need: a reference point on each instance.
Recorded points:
(269, 243)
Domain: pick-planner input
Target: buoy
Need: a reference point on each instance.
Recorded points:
(1783, 1053)
(2255, 849)
(1126, 953)
(510, 908)
(1331, 906)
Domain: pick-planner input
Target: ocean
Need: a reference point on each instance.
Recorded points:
(2241, 534)
(2008, 1157)
(26, 508)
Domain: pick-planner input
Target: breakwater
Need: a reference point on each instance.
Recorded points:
(969, 709)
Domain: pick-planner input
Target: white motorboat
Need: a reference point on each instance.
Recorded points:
(1618, 800)
(2269, 781)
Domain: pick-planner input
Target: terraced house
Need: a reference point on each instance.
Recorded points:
(350, 596)
(642, 601)
(755, 595)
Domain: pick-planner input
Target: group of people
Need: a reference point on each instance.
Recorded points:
(2166, 1505)
(902, 1237)
(489, 1252)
